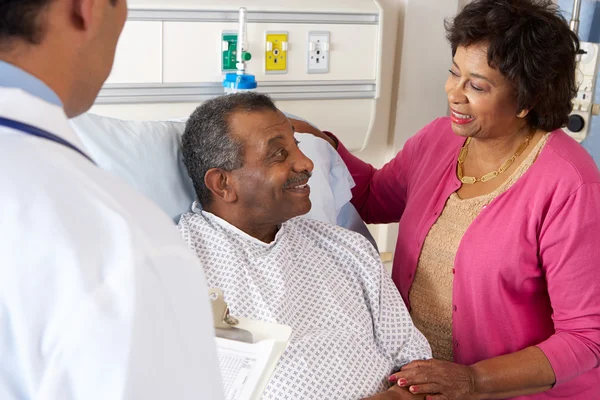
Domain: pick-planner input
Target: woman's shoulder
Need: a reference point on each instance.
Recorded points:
(567, 161)
(435, 141)
(438, 130)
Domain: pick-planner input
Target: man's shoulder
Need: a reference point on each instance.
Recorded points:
(188, 218)
(195, 222)
(327, 234)
(203, 235)
(306, 223)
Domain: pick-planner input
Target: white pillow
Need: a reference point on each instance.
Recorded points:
(330, 182)
(147, 154)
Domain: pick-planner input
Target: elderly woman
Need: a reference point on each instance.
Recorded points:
(498, 255)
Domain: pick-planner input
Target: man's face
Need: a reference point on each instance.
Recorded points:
(272, 184)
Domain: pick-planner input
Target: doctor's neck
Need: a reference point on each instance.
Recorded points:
(47, 66)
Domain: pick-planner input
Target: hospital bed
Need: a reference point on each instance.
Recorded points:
(147, 155)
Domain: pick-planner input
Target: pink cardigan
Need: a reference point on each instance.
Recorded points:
(527, 271)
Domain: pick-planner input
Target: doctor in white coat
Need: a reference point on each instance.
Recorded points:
(99, 297)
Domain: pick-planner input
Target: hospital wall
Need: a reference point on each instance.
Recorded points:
(589, 31)
(393, 70)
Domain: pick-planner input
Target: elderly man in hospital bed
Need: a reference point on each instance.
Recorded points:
(350, 326)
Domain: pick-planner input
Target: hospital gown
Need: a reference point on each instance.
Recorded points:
(350, 327)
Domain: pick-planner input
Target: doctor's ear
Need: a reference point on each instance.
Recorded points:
(219, 183)
(87, 14)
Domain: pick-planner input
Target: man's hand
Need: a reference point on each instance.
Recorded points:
(396, 393)
(450, 381)
(305, 127)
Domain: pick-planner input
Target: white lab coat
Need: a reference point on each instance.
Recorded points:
(99, 297)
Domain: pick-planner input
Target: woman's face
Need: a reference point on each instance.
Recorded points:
(482, 102)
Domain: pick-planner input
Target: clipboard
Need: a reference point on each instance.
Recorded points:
(249, 350)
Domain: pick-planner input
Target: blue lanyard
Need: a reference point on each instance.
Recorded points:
(33, 131)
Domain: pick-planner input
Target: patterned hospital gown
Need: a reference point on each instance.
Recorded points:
(350, 327)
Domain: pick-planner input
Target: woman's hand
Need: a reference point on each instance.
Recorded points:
(305, 127)
(450, 381)
(396, 393)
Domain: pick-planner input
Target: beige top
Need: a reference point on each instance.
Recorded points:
(431, 292)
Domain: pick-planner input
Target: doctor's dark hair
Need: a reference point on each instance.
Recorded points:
(24, 19)
(530, 43)
(208, 142)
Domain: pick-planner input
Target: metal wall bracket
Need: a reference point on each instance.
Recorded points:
(253, 16)
(198, 92)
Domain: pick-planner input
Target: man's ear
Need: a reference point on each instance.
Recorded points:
(219, 183)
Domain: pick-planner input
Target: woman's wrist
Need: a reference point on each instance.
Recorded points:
(330, 137)
(522, 373)
(477, 382)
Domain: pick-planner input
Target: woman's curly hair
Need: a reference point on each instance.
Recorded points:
(530, 43)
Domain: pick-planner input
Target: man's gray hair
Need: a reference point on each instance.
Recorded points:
(207, 141)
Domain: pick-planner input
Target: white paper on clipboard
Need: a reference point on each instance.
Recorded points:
(246, 368)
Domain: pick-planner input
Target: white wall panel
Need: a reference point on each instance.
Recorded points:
(192, 51)
(139, 54)
(177, 45)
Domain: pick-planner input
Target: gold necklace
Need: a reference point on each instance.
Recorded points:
(462, 156)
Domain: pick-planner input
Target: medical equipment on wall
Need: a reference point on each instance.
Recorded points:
(586, 71)
(240, 81)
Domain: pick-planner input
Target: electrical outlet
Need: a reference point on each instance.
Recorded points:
(318, 52)
(276, 49)
(229, 50)
(578, 126)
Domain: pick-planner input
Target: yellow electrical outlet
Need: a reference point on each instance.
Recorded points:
(276, 52)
